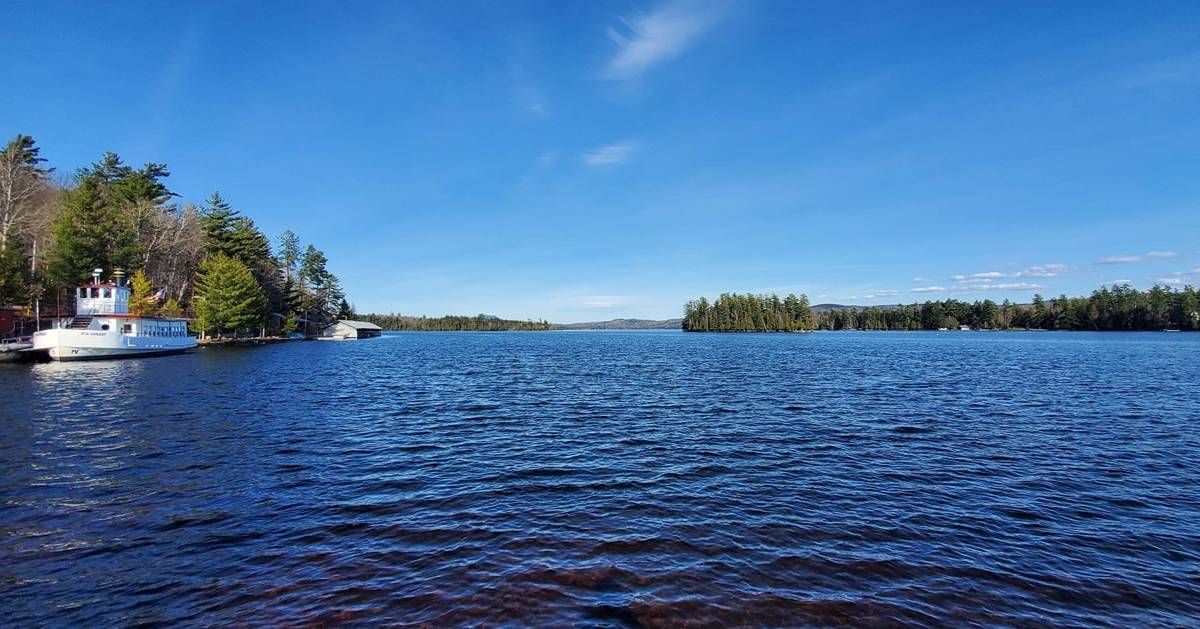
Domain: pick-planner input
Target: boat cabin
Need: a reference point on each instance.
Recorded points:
(101, 299)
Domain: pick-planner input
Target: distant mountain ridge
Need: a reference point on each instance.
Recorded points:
(623, 324)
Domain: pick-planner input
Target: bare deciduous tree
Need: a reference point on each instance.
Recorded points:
(24, 188)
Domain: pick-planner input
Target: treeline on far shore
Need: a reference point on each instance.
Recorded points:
(1110, 308)
(733, 312)
(1116, 308)
(478, 323)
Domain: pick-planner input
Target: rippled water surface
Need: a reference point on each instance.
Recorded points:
(610, 479)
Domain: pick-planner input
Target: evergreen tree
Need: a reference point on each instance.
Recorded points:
(91, 233)
(217, 221)
(228, 298)
(14, 276)
(246, 243)
(171, 308)
(289, 253)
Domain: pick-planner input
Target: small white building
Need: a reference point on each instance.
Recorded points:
(345, 329)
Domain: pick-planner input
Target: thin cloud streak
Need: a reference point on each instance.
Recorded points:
(612, 154)
(647, 40)
(1118, 259)
(605, 301)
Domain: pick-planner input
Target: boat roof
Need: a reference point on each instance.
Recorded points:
(358, 325)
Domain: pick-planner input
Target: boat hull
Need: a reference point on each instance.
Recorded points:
(69, 345)
(68, 354)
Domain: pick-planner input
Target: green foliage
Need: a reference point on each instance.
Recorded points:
(216, 221)
(228, 233)
(14, 276)
(228, 298)
(289, 252)
(478, 323)
(732, 312)
(140, 289)
(290, 324)
(1118, 307)
(171, 308)
(91, 232)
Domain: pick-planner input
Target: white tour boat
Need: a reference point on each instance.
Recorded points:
(103, 328)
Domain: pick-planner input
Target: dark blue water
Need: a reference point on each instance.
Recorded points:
(610, 479)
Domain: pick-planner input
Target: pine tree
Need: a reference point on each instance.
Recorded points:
(91, 233)
(289, 253)
(217, 221)
(227, 296)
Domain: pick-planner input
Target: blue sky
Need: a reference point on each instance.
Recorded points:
(586, 160)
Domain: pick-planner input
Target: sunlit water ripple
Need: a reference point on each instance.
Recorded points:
(610, 479)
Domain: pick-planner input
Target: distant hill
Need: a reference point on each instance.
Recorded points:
(623, 324)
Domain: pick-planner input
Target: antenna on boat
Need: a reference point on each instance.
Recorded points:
(96, 275)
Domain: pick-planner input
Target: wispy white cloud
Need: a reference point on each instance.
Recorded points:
(974, 277)
(531, 100)
(610, 154)
(1169, 280)
(605, 301)
(1126, 259)
(1119, 282)
(1044, 270)
(1118, 259)
(978, 286)
(920, 280)
(879, 294)
(645, 40)
(1008, 286)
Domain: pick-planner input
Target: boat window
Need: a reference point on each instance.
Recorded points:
(95, 292)
(127, 328)
(104, 327)
(107, 293)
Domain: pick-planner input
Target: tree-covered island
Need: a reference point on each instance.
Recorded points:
(733, 312)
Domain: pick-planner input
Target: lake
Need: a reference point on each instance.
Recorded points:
(611, 479)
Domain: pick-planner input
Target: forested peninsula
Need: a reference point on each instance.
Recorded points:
(1109, 308)
(207, 262)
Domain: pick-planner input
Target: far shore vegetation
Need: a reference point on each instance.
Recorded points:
(733, 312)
(1109, 308)
(478, 323)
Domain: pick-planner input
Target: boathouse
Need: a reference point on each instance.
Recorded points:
(344, 329)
